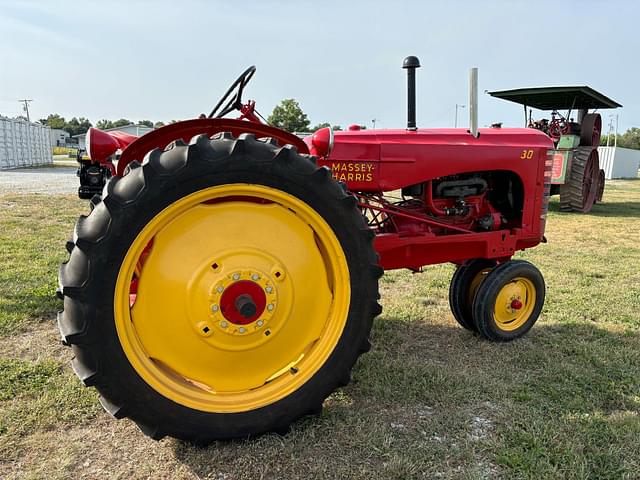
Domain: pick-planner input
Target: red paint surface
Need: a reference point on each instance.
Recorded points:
(233, 291)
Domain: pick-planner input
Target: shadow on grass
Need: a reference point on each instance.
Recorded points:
(604, 209)
(554, 373)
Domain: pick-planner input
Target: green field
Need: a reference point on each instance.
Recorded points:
(429, 401)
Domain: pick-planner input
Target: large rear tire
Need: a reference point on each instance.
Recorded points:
(590, 130)
(579, 193)
(219, 290)
(600, 190)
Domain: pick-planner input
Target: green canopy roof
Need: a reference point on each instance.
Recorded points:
(557, 98)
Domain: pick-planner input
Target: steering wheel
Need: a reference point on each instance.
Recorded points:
(230, 100)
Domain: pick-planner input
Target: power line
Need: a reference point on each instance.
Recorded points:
(26, 106)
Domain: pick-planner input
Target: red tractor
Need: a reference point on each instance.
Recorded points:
(226, 280)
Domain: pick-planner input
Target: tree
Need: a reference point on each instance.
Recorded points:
(289, 116)
(122, 122)
(158, 124)
(54, 121)
(77, 126)
(146, 123)
(319, 126)
(105, 124)
(335, 128)
(629, 139)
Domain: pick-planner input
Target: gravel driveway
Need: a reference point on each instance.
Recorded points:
(50, 181)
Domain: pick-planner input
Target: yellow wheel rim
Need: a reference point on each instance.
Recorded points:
(475, 283)
(169, 302)
(514, 304)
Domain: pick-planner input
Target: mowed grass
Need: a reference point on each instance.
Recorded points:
(429, 401)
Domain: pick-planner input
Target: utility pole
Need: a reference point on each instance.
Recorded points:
(26, 106)
(455, 123)
(373, 121)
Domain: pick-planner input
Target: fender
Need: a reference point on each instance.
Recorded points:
(187, 129)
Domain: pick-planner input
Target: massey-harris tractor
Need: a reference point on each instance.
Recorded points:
(576, 173)
(226, 280)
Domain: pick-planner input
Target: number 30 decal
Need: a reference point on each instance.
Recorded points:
(526, 154)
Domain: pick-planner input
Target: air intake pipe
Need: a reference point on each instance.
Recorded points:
(473, 102)
(410, 64)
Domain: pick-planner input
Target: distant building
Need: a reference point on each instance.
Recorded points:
(59, 137)
(132, 129)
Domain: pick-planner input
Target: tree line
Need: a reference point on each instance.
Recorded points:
(287, 115)
(629, 139)
(76, 126)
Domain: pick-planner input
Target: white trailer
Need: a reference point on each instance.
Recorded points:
(24, 144)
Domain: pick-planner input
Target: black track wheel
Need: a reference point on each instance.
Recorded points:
(509, 301)
(590, 130)
(143, 305)
(601, 181)
(580, 189)
(464, 283)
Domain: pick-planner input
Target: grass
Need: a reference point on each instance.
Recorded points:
(429, 401)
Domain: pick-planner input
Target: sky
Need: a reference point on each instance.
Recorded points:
(341, 60)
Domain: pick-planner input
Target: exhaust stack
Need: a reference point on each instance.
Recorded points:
(410, 64)
(473, 102)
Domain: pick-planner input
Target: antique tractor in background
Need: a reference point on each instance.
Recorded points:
(226, 279)
(576, 173)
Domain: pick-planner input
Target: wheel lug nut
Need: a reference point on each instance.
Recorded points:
(214, 308)
(268, 289)
(224, 324)
(220, 289)
(270, 307)
(259, 323)
(236, 276)
(255, 277)
(242, 329)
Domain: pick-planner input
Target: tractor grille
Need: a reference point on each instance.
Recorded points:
(548, 168)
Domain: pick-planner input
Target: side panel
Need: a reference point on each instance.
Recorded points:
(406, 158)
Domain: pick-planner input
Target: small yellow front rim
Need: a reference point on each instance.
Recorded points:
(514, 304)
(172, 329)
(475, 283)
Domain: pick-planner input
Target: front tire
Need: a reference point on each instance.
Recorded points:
(464, 284)
(509, 301)
(144, 290)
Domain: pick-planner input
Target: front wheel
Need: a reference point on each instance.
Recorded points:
(509, 301)
(464, 284)
(220, 290)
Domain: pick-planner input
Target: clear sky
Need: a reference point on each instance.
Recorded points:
(163, 60)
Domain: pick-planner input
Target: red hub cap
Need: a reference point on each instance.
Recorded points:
(243, 302)
(516, 304)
